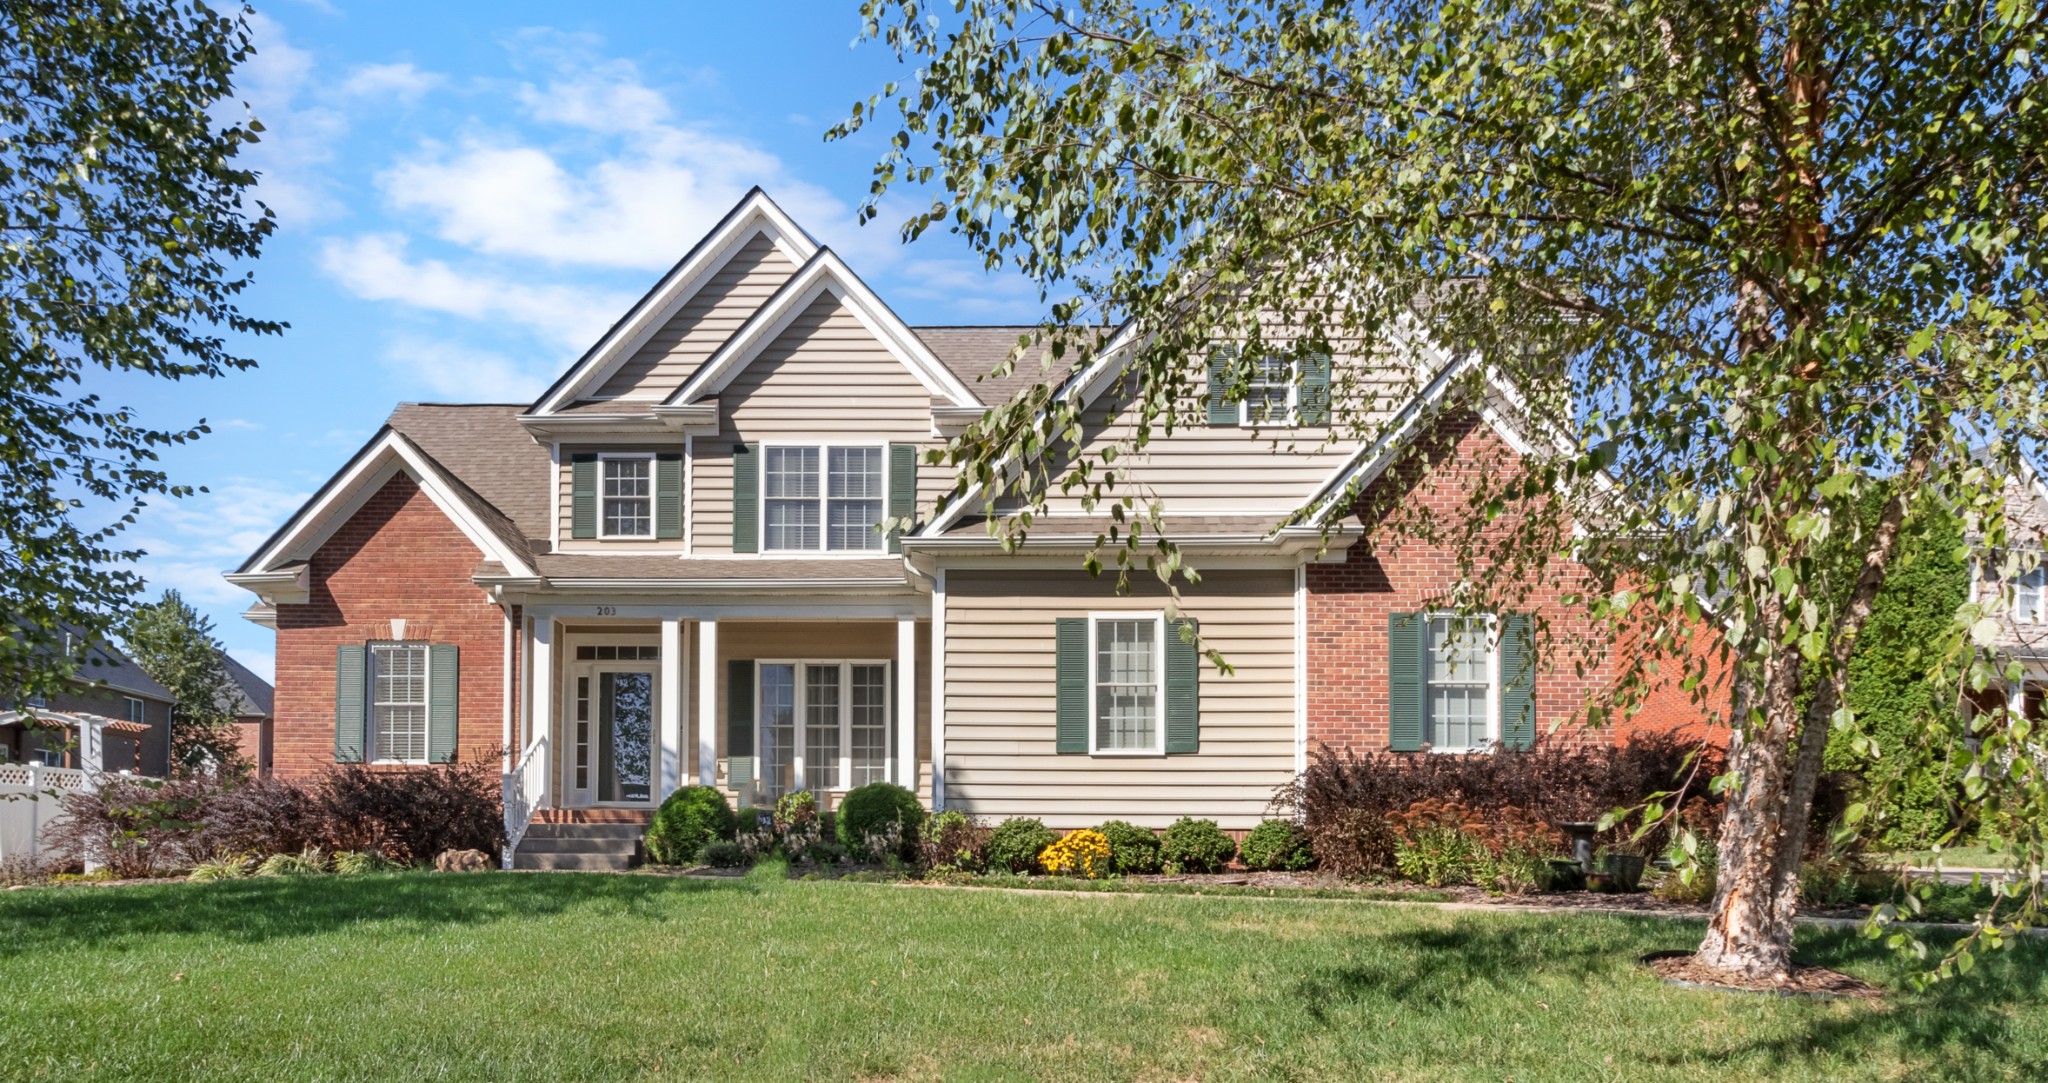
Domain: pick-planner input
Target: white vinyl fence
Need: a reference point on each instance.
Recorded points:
(30, 799)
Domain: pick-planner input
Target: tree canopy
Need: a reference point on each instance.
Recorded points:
(175, 645)
(125, 230)
(1763, 263)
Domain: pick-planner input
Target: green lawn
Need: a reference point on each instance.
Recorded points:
(1981, 856)
(422, 977)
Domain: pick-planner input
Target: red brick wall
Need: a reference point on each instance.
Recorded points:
(1389, 571)
(397, 557)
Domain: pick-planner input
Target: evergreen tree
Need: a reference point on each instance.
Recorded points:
(174, 644)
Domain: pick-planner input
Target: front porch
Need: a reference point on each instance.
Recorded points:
(619, 705)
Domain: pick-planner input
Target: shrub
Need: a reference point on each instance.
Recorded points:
(1082, 853)
(1015, 844)
(690, 817)
(310, 862)
(357, 862)
(133, 827)
(412, 816)
(1193, 845)
(722, 854)
(224, 867)
(1353, 842)
(1133, 850)
(1438, 855)
(1277, 845)
(867, 808)
(1694, 881)
(795, 808)
(953, 840)
(261, 816)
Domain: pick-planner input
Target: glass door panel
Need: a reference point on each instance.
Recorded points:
(778, 729)
(626, 729)
(821, 728)
(869, 726)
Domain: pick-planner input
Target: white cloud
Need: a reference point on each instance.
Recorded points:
(190, 542)
(402, 82)
(298, 138)
(464, 374)
(376, 267)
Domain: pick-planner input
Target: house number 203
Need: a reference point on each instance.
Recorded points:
(607, 611)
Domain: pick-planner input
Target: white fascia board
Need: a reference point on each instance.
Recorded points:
(825, 273)
(754, 214)
(386, 457)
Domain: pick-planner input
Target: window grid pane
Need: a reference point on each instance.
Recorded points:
(1126, 685)
(1269, 392)
(853, 525)
(778, 729)
(792, 524)
(628, 497)
(1460, 686)
(398, 713)
(821, 728)
(792, 472)
(870, 724)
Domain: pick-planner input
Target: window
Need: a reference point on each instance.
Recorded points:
(835, 512)
(2027, 596)
(1127, 674)
(822, 725)
(398, 702)
(135, 709)
(1270, 393)
(38, 700)
(1459, 696)
(609, 652)
(626, 508)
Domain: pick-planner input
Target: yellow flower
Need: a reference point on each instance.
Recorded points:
(1081, 853)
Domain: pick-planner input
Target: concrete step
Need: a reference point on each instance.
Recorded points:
(628, 847)
(585, 831)
(526, 859)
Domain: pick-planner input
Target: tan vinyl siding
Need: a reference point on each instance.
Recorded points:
(824, 378)
(703, 323)
(565, 506)
(1000, 697)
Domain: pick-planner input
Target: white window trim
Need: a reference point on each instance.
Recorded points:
(426, 701)
(1293, 415)
(1158, 749)
(1493, 690)
(797, 779)
(822, 552)
(653, 495)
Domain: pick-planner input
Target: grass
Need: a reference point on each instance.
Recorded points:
(1153, 887)
(498, 976)
(1980, 856)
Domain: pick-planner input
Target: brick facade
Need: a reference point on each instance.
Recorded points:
(398, 557)
(1392, 571)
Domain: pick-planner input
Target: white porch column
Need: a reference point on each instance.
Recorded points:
(707, 702)
(540, 698)
(906, 703)
(92, 747)
(673, 690)
(939, 691)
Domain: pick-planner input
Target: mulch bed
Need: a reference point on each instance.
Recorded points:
(1682, 968)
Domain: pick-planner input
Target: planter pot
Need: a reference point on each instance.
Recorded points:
(1627, 871)
(1566, 875)
(1602, 882)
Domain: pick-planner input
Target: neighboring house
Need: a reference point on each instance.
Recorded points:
(2023, 624)
(665, 571)
(249, 700)
(112, 716)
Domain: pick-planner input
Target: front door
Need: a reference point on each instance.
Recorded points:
(612, 734)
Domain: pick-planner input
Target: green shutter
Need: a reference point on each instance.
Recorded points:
(902, 488)
(1404, 681)
(443, 668)
(350, 661)
(1071, 715)
(1222, 411)
(1315, 389)
(668, 494)
(1517, 682)
(746, 498)
(739, 723)
(1183, 691)
(583, 495)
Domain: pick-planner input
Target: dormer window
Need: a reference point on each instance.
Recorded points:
(1270, 396)
(628, 498)
(822, 498)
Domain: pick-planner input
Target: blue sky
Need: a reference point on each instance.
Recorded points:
(468, 193)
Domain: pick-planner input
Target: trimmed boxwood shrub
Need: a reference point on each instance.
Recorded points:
(1133, 850)
(1277, 846)
(866, 808)
(1193, 845)
(1015, 844)
(690, 818)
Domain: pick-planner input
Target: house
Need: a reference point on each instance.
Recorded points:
(2021, 611)
(111, 716)
(665, 570)
(248, 699)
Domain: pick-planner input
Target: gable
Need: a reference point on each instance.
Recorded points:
(671, 355)
(826, 372)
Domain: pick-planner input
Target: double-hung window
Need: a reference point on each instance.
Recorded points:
(626, 497)
(822, 499)
(1271, 393)
(2027, 591)
(398, 702)
(135, 709)
(1459, 695)
(1127, 678)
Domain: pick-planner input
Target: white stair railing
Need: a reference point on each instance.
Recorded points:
(526, 789)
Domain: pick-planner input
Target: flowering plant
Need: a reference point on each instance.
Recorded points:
(1082, 853)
